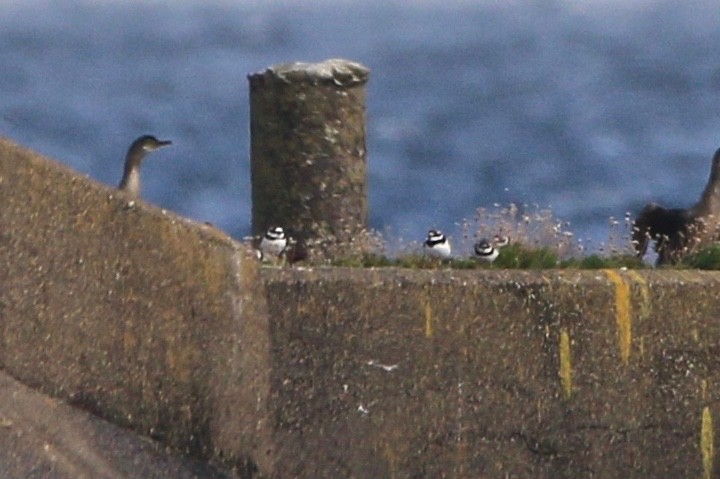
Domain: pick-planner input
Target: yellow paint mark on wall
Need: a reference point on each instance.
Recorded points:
(622, 313)
(706, 443)
(428, 319)
(565, 363)
(644, 293)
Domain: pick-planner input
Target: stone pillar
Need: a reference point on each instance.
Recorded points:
(308, 156)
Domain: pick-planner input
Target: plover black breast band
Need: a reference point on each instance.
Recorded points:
(273, 243)
(437, 245)
(485, 251)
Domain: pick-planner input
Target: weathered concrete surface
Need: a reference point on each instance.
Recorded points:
(308, 155)
(493, 373)
(145, 318)
(41, 437)
(165, 326)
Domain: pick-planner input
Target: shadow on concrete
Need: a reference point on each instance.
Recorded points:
(41, 437)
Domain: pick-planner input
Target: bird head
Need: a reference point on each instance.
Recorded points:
(150, 143)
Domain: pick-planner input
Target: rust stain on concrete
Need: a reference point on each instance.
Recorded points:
(707, 439)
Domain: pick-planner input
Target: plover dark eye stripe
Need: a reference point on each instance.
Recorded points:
(273, 243)
(275, 232)
(485, 251)
(437, 245)
(433, 240)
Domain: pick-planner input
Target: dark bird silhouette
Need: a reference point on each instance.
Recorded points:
(136, 153)
(678, 231)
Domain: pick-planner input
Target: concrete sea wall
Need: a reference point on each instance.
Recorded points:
(172, 329)
(131, 311)
(550, 374)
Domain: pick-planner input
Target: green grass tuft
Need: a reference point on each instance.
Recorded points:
(604, 262)
(517, 256)
(538, 241)
(707, 258)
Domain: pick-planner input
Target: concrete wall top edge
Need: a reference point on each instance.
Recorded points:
(527, 277)
(52, 174)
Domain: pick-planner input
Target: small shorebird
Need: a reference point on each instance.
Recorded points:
(136, 153)
(485, 251)
(437, 245)
(489, 251)
(678, 231)
(501, 241)
(273, 244)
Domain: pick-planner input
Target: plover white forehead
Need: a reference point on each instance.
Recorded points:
(437, 245)
(485, 251)
(273, 243)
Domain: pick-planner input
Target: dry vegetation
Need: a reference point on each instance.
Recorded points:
(538, 240)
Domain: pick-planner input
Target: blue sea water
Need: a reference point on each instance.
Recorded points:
(592, 108)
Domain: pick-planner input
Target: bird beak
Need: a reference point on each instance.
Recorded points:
(159, 144)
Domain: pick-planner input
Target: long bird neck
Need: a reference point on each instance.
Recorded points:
(709, 203)
(131, 177)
